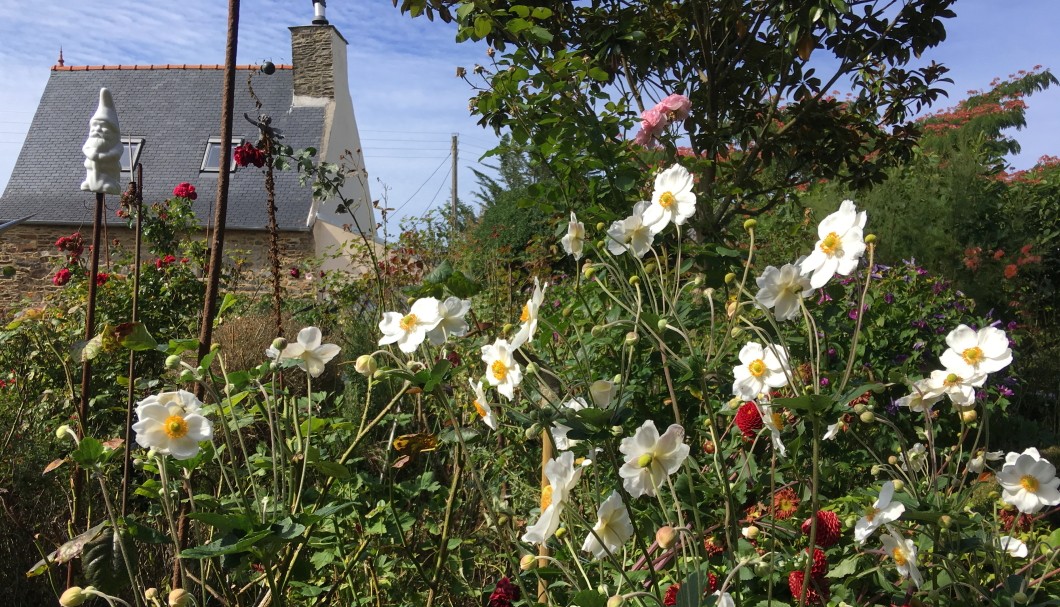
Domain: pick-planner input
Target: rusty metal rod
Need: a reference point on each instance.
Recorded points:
(138, 200)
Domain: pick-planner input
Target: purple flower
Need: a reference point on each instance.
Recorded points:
(853, 314)
(938, 287)
(1012, 325)
(892, 408)
(940, 330)
(1005, 391)
(824, 381)
(831, 352)
(919, 324)
(824, 297)
(919, 345)
(889, 298)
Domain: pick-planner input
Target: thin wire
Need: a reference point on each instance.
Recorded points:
(423, 184)
(438, 191)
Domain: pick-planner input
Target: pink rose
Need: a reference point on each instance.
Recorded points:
(653, 120)
(676, 106)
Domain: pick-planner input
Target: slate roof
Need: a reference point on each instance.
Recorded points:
(176, 109)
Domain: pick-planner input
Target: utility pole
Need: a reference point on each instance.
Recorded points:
(453, 153)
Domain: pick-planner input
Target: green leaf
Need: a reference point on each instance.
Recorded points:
(810, 403)
(68, 551)
(88, 453)
(440, 274)
(134, 336)
(225, 545)
(224, 523)
(287, 529)
(691, 592)
(145, 534)
(589, 598)
(178, 346)
(103, 564)
(229, 301)
(462, 286)
(846, 567)
(332, 469)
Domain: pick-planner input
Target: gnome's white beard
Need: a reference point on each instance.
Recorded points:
(98, 147)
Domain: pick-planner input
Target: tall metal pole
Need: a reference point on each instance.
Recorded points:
(138, 200)
(453, 153)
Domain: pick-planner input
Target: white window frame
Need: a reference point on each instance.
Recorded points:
(131, 146)
(236, 142)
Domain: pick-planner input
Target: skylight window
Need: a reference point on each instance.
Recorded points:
(130, 150)
(211, 160)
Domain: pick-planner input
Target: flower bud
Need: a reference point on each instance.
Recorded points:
(892, 460)
(74, 596)
(666, 536)
(600, 226)
(532, 431)
(616, 431)
(899, 484)
(634, 280)
(279, 344)
(601, 244)
(859, 408)
(868, 417)
(379, 374)
(561, 532)
(750, 532)
(708, 447)
(750, 224)
(945, 521)
(763, 568)
(1020, 598)
(588, 270)
(62, 431)
(215, 347)
(731, 276)
(616, 601)
(597, 330)
(366, 365)
(528, 562)
(650, 267)
(661, 325)
(969, 416)
(568, 311)
(173, 361)
(736, 332)
(187, 376)
(151, 594)
(870, 238)
(507, 328)
(531, 368)
(698, 280)
(631, 338)
(178, 597)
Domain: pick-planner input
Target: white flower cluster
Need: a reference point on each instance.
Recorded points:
(971, 356)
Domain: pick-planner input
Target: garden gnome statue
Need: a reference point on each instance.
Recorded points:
(103, 149)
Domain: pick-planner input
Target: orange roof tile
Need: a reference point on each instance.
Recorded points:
(167, 66)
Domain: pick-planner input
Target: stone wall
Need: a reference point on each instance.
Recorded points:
(29, 258)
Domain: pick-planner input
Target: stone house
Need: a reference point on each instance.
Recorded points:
(170, 118)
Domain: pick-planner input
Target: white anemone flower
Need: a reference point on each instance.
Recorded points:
(409, 331)
(903, 552)
(631, 234)
(563, 475)
(724, 599)
(671, 200)
(774, 421)
(980, 458)
(307, 352)
(915, 459)
(559, 431)
(529, 316)
(171, 424)
(1012, 546)
(884, 510)
(782, 290)
(841, 243)
(760, 369)
(1029, 482)
(452, 323)
(502, 372)
(603, 393)
(833, 430)
(951, 382)
(612, 529)
(651, 458)
(482, 406)
(976, 352)
(574, 241)
(922, 398)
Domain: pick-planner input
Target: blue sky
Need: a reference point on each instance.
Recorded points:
(406, 97)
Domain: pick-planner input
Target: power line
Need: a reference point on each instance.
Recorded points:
(423, 184)
(438, 191)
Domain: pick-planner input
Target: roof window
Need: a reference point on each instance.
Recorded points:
(211, 160)
(131, 147)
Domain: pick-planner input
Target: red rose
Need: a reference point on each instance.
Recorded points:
(61, 277)
(102, 278)
(504, 594)
(185, 190)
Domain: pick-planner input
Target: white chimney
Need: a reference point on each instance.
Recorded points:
(318, 12)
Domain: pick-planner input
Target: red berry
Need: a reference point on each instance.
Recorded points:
(816, 591)
(828, 528)
(820, 564)
(712, 582)
(670, 598)
(748, 419)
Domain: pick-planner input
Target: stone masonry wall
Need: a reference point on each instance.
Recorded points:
(30, 252)
(311, 56)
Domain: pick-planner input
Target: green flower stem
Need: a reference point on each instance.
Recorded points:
(857, 323)
(133, 582)
(578, 561)
(238, 433)
(815, 488)
(305, 448)
(443, 540)
(167, 508)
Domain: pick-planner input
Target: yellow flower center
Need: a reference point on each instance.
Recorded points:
(1030, 483)
(757, 367)
(667, 200)
(525, 316)
(175, 426)
(481, 410)
(644, 461)
(899, 557)
(778, 421)
(408, 322)
(870, 513)
(499, 370)
(952, 380)
(973, 356)
(546, 497)
(831, 243)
